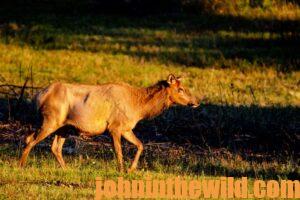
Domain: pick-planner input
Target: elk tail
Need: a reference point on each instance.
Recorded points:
(41, 97)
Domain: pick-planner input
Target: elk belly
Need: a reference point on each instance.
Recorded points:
(91, 118)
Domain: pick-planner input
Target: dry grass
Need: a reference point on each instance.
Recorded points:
(231, 86)
(269, 9)
(244, 63)
(43, 179)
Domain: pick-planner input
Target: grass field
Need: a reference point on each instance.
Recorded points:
(44, 179)
(247, 68)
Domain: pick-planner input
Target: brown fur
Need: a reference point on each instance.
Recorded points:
(94, 109)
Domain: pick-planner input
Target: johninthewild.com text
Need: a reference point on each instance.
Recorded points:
(178, 188)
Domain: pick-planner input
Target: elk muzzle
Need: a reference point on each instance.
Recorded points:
(194, 103)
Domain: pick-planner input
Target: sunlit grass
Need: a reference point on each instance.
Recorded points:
(244, 67)
(261, 87)
(283, 11)
(42, 178)
(216, 42)
(269, 9)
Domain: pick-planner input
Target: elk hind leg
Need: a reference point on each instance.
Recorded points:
(48, 127)
(56, 148)
(30, 138)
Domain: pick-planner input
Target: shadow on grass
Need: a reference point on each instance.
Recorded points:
(215, 140)
(201, 40)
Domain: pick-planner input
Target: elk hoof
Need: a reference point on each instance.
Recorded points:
(21, 164)
(130, 170)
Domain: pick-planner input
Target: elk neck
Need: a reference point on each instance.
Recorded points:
(154, 100)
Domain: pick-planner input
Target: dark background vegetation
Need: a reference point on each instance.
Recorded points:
(135, 7)
(38, 23)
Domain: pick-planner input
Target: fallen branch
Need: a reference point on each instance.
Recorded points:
(20, 87)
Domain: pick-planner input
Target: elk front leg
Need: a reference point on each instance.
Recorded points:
(130, 137)
(118, 151)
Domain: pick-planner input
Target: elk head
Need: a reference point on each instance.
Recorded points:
(179, 94)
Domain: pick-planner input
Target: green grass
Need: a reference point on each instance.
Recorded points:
(229, 59)
(42, 178)
(218, 85)
(243, 43)
(246, 67)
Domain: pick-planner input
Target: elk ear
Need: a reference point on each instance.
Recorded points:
(171, 79)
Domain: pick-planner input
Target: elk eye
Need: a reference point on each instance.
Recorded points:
(180, 90)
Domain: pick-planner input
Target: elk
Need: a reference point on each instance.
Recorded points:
(93, 109)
